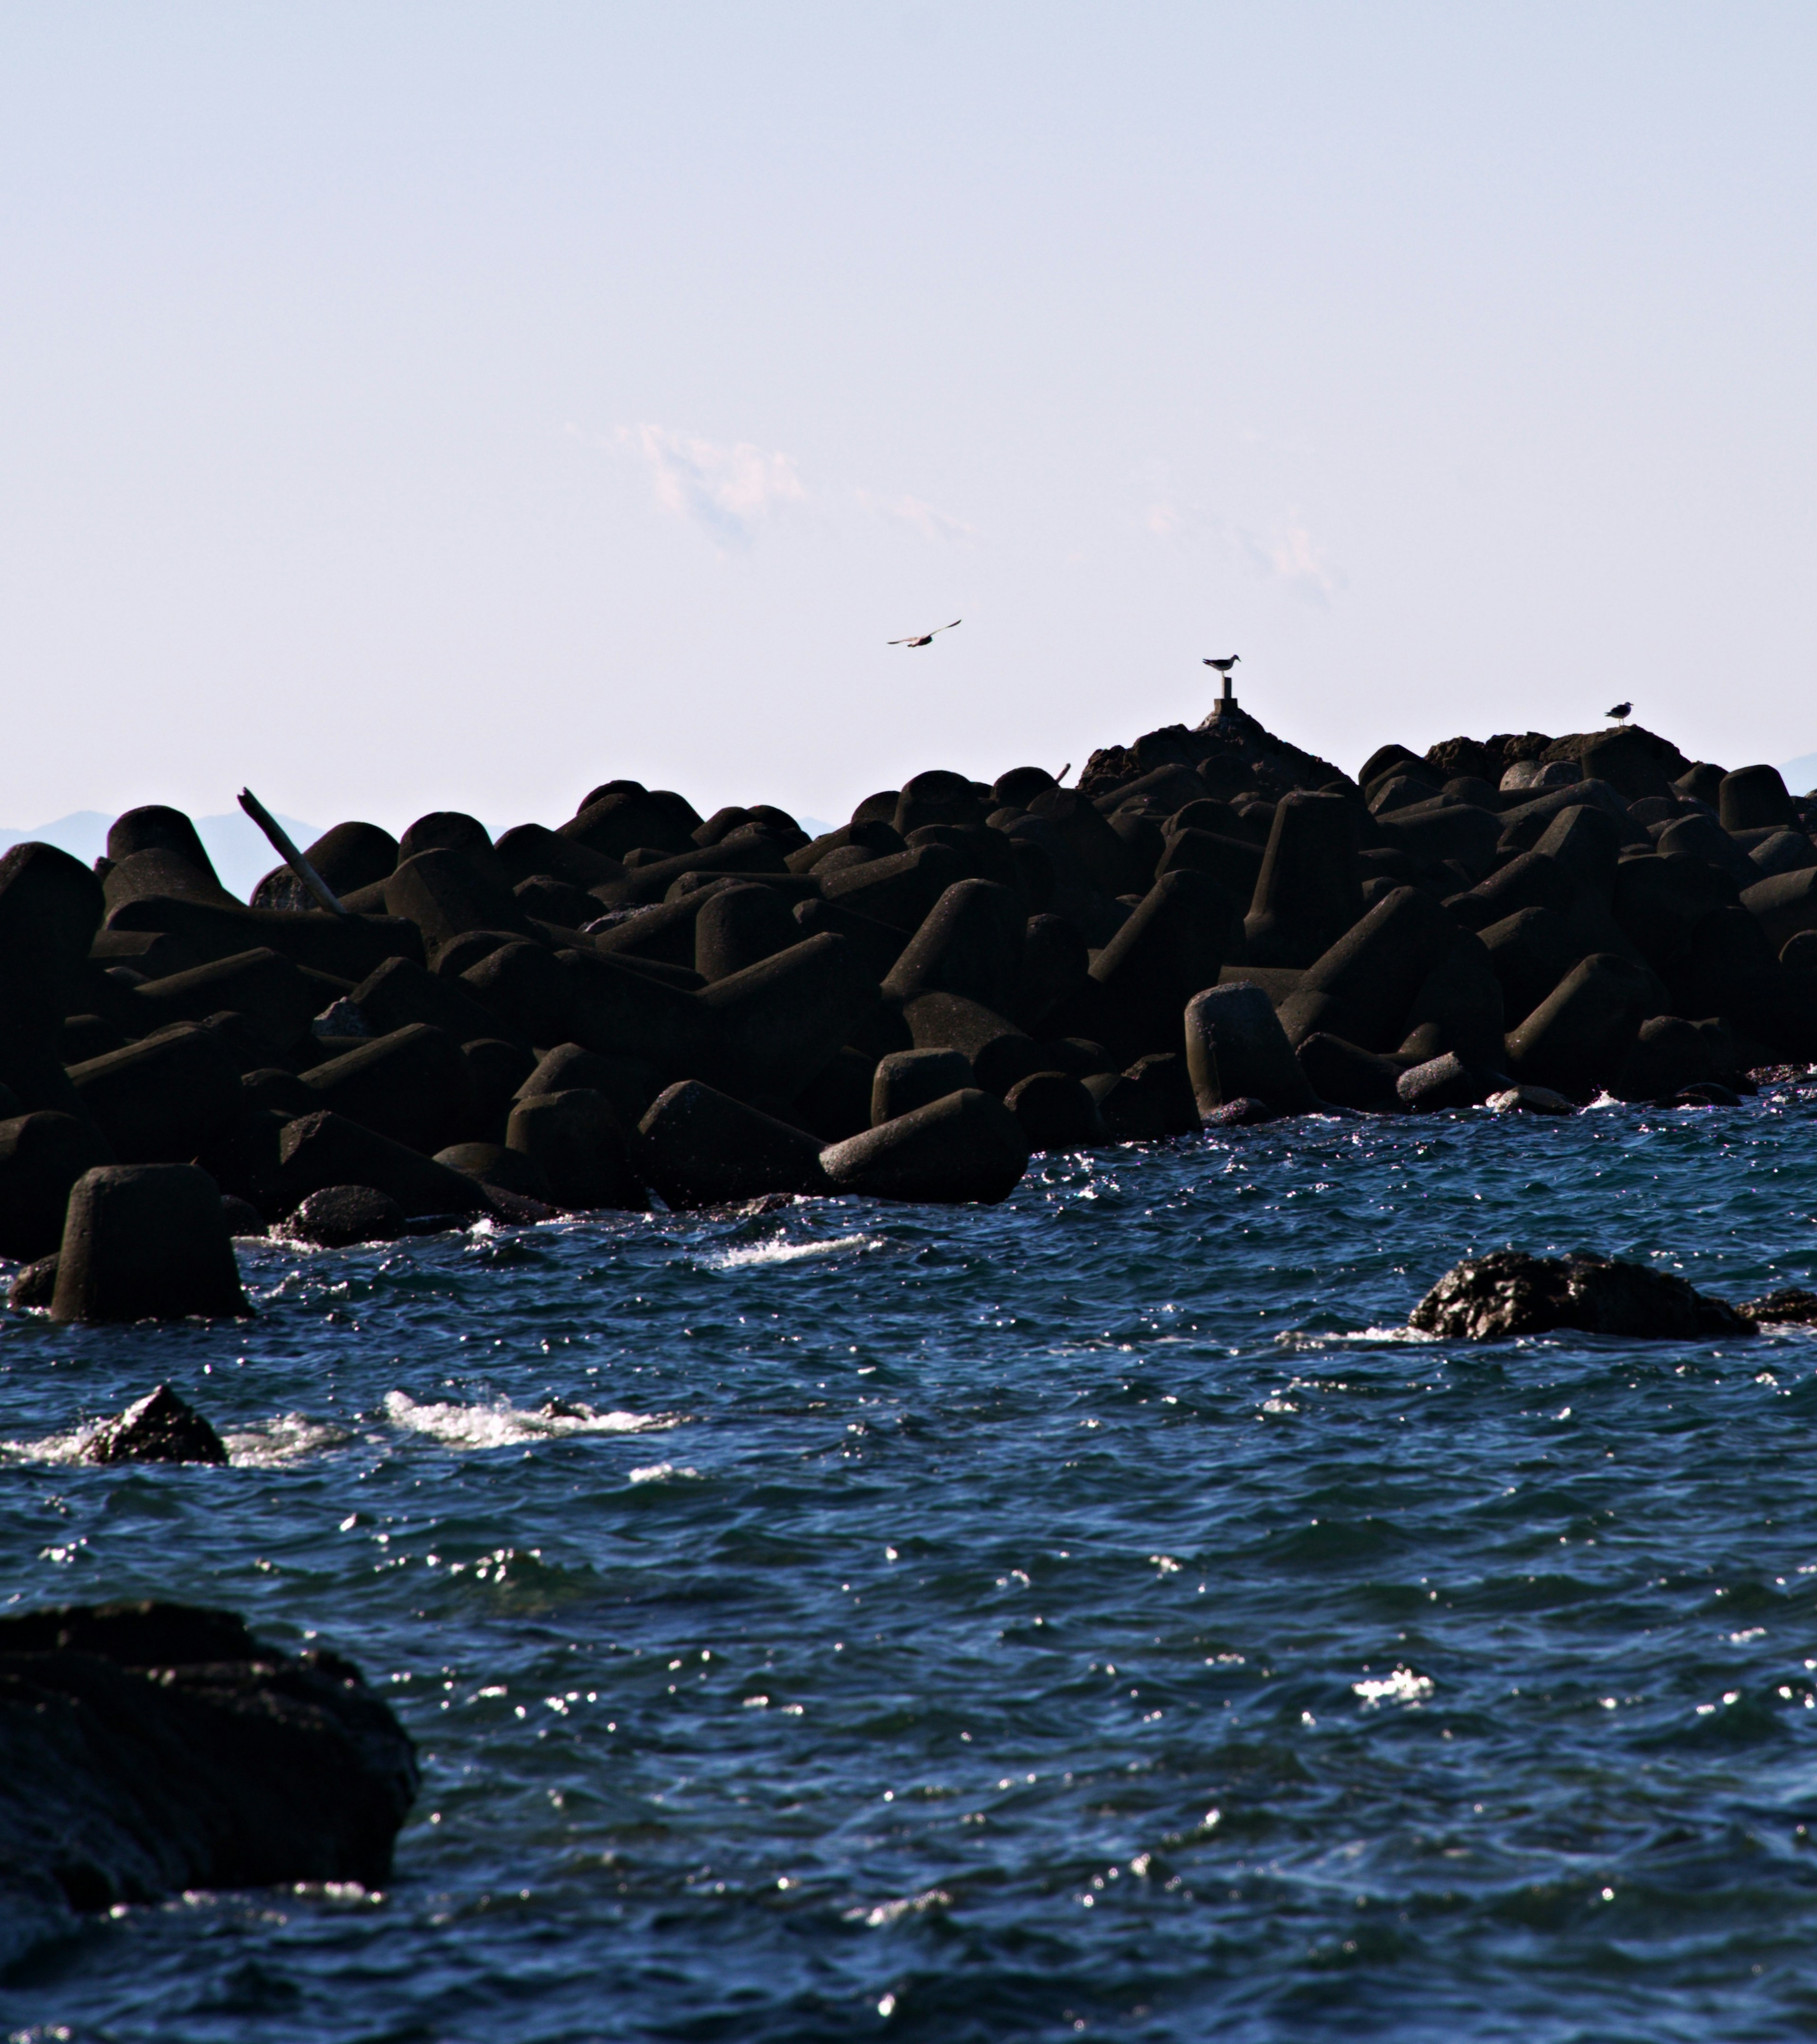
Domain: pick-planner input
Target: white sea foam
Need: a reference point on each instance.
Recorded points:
(1402, 1686)
(501, 1424)
(660, 1473)
(788, 1252)
(289, 1437)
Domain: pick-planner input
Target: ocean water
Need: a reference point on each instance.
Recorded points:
(1090, 1616)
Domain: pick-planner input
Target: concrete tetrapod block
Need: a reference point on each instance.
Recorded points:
(273, 995)
(154, 828)
(1574, 1040)
(1752, 798)
(1308, 892)
(499, 1170)
(739, 926)
(51, 908)
(162, 1101)
(1668, 1053)
(1458, 1008)
(401, 992)
(900, 889)
(967, 1148)
(1530, 880)
(1447, 1082)
(574, 1139)
(152, 875)
(412, 1085)
(316, 1151)
(1056, 1112)
(529, 988)
(445, 895)
(776, 1024)
(42, 1155)
(998, 1052)
(698, 1147)
(1348, 1077)
(1784, 904)
(970, 942)
(1236, 1049)
(146, 1241)
(627, 1085)
(349, 947)
(1173, 947)
(1362, 987)
(905, 1080)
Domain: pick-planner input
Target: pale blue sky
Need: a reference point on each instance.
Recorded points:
(415, 405)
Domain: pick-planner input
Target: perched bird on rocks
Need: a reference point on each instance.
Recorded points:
(927, 638)
(1224, 666)
(1619, 712)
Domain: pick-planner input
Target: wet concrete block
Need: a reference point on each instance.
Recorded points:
(967, 1147)
(42, 1155)
(698, 1147)
(146, 1241)
(1236, 1048)
(412, 1085)
(577, 1141)
(163, 1100)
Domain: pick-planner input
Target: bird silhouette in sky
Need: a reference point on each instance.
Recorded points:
(1224, 666)
(1619, 712)
(927, 638)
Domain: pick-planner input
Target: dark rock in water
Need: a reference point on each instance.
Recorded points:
(161, 1427)
(149, 1748)
(1788, 1306)
(146, 1241)
(35, 1285)
(1707, 1093)
(1492, 1298)
(340, 1216)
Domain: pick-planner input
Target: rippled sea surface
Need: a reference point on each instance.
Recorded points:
(1087, 1616)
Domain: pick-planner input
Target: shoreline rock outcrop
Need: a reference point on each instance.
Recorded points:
(1509, 1293)
(146, 1749)
(1213, 927)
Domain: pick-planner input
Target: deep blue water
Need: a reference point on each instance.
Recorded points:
(1085, 1616)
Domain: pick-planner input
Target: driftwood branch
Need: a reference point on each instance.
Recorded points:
(288, 852)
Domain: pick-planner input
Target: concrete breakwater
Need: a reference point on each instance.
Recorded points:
(1212, 926)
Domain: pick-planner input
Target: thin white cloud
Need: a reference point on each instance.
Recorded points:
(927, 519)
(1286, 552)
(732, 491)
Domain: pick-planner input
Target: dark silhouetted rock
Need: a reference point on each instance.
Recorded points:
(35, 1285)
(342, 1217)
(149, 1750)
(146, 1241)
(1492, 1298)
(161, 1427)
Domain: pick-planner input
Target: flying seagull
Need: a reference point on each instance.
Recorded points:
(927, 638)
(1224, 666)
(1619, 712)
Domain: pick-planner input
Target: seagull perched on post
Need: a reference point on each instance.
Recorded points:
(1619, 712)
(927, 638)
(1224, 666)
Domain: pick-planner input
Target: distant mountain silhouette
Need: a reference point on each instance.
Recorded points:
(241, 856)
(1800, 775)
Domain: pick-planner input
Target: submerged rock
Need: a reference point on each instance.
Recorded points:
(162, 1427)
(1788, 1306)
(1492, 1298)
(340, 1216)
(147, 1749)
